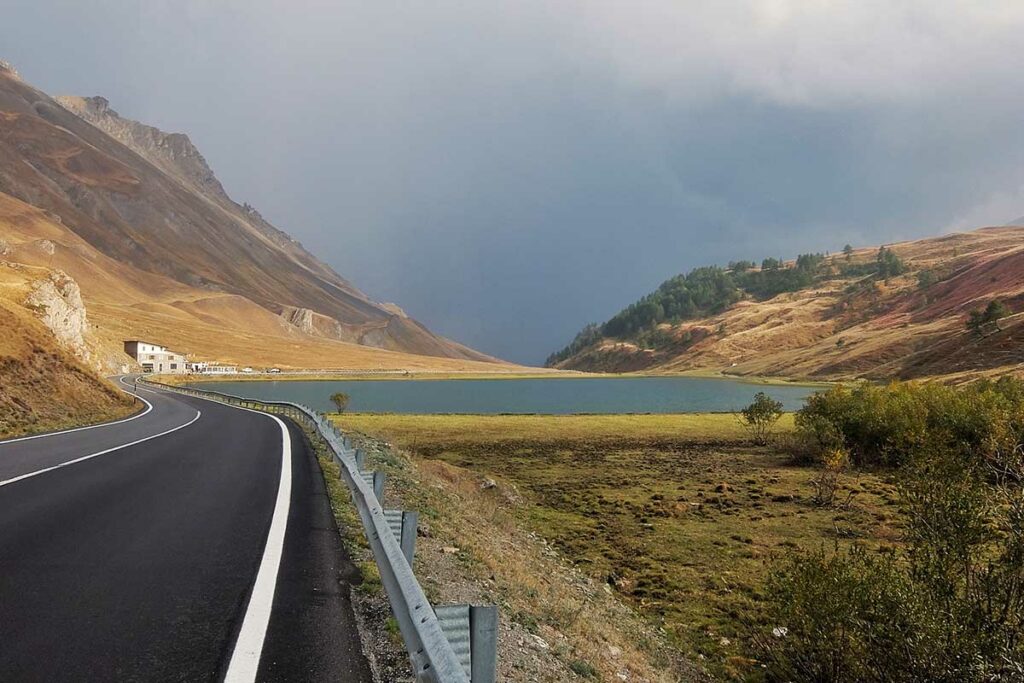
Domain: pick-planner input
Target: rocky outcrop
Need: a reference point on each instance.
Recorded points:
(57, 302)
(173, 153)
(8, 68)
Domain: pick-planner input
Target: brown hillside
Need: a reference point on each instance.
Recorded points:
(43, 385)
(147, 200)
(855, 327)
(125, 302)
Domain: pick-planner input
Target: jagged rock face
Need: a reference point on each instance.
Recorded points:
(8, 68)
(57, 302)
(173, 153)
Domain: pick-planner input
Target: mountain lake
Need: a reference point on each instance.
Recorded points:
(555, 396)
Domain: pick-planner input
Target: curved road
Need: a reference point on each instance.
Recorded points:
(191, 542)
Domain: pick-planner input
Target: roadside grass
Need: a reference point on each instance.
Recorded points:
(473, 548)
(350, 526)
(677, 514)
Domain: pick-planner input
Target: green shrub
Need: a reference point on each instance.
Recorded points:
(761, 416)
(886, 425)
(949, 606)
(582, 668)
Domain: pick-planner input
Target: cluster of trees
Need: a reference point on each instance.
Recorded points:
(946, 605)
(886, 264)
(584, 338)
(980, 320)
(711, 289)
(701, 292)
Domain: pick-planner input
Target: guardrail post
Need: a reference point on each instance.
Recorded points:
(376, 480)
(472, 632)
(403, 525)
(410, 523)
(483, 643)
(360, 458)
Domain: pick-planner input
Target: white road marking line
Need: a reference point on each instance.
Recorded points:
(245, 659)
(149, 407)
(103, 452)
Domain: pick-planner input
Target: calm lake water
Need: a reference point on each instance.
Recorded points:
(553, 396)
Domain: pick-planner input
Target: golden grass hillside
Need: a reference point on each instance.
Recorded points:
(42, 386)
(124, 302)
(845, 328)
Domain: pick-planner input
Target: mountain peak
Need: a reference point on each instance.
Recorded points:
(8, 68)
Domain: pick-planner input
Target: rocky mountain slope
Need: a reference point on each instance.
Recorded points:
(138, 220)
(43, 384)
(870, 313)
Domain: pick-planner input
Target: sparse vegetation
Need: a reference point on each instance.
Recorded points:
(910, 567)
(710, 290)
(948, 602)
(981, 320)
(676, 514)
(42, 387)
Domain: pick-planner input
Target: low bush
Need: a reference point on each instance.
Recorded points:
(886, 425)
(948, 603)
(947, 606)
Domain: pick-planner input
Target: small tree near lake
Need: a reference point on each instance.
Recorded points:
(340, 399)
(761, 416)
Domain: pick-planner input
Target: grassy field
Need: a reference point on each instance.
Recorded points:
(677, 513)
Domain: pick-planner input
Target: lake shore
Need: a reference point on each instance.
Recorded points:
(601, 395)
(539, 373)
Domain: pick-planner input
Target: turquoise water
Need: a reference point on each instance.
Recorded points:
(551, 396)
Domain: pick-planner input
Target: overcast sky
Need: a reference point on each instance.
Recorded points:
(508, 172)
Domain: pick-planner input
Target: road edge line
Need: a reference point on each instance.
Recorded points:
(248, 651)
(136, 416)
(83, 458)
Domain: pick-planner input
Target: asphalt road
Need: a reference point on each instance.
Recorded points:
(192, 542)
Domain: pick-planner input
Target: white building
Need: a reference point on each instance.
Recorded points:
(155, 358)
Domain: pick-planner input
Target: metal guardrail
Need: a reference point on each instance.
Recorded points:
(428, 639)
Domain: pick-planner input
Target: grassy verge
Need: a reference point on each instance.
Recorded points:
(674, 514)
(556, 623)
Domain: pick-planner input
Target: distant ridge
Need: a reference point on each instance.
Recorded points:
(149, 201)
(871, 313)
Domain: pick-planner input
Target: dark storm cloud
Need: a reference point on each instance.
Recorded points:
(510, 171)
